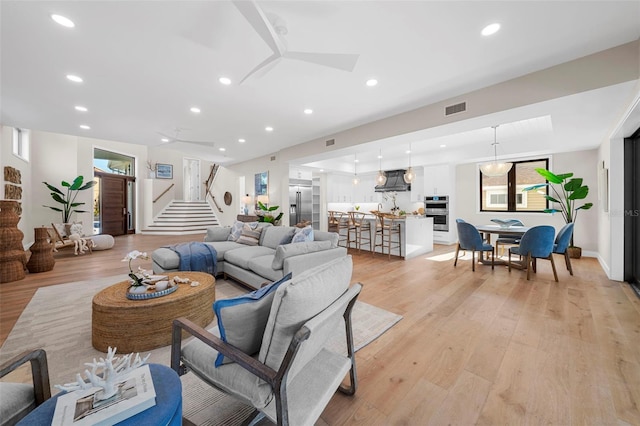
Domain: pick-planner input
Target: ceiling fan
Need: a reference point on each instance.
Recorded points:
(173, 139)
(273, 31)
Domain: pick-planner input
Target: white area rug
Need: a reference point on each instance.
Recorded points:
(58, 319)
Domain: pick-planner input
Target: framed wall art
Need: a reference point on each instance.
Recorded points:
(164, 171)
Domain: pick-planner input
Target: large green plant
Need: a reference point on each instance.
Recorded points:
(566, 191)
(68, 198)
(267, 216)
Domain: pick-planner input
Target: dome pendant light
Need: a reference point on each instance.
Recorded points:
(494, 168)
(409, 175)
(381, 179)
(355, 170)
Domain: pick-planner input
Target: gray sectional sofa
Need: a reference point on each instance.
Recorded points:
(268, 261)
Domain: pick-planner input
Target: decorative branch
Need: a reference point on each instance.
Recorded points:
(113, 368)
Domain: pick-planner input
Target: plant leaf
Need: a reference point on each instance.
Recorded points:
(573, 184)
(533, 187)
(53, 188)
(585, 207)
(549, 176)
(550, 198)
(579, 193)
(77, 183)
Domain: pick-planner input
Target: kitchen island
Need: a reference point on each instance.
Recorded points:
(416, 236)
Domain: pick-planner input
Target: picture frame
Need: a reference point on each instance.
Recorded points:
(164, 171)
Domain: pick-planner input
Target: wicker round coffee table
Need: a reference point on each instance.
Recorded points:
(140, 325)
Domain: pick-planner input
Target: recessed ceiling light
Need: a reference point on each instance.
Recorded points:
(225, 80)
(221, 149)
(81, 108)
(372, 82)
(308, 111)
(63, 20)
(490, 29)
(195, 110)
(165, 139)
(241, 140)
(443, 146)
(356, 161)
(379, 157)
(269, 129)
(85, 127)
(74, 78)
(408, 151)
(321, 170)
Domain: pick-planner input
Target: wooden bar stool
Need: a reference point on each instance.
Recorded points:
(339, 221)
(386, 228)
(358, 226)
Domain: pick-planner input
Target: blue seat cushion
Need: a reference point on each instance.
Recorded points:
(487, 247)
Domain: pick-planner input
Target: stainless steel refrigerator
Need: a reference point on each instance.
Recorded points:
(300, 202)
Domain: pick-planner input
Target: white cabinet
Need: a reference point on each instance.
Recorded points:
(438, 180)
(417, 186)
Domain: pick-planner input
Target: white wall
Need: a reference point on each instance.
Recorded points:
(582, 163)
(278, 187)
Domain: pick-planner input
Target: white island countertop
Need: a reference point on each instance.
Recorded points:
(416, 235)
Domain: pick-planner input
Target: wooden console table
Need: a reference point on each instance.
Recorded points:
(141, 325)
(246, 218)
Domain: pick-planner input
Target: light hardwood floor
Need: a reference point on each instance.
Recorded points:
(473, 348)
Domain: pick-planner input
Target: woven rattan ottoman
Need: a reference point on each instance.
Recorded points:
(141, 325)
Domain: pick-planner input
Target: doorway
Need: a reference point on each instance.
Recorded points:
(191, 178)
(114, 195)
(632, 211)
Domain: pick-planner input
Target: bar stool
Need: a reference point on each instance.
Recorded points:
(358, 224)
(337, 222)
(386, 228)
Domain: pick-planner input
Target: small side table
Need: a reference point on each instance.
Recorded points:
(167, 411)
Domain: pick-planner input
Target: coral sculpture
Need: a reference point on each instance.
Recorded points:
(113, 368)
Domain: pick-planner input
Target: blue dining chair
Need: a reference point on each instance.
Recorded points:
(470, 239)
(507, 239)
(536, 243)
(562, 243)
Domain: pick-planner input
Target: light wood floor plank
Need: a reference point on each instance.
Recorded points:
(485, 347)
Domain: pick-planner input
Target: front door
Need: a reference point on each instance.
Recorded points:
(114, 204)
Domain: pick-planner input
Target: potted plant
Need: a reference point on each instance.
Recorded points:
(266, 216)
(68, 198)
(566, 191)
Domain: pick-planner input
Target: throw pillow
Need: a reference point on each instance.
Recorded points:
(242, 320)
(236, 230)
(249, 236)
(303, 235)
(76, 228)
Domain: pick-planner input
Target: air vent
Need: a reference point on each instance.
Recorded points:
(330, 142)
(273, 158)
(454, 109)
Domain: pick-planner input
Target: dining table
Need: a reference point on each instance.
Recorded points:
(487, 230)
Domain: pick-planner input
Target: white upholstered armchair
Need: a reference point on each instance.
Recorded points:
(286, 372)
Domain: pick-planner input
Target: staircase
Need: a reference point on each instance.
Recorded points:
(183, 217)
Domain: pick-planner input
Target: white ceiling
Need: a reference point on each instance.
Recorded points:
(145, 63)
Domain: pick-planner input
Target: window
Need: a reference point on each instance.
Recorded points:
(504, 193)
(21, 143)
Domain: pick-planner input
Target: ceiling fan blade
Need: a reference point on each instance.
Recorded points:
(260, 23)
(267, 64)
(342, 61)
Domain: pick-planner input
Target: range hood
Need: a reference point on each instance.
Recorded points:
(395, 182)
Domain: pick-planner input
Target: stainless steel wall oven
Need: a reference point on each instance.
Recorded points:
(437, 207)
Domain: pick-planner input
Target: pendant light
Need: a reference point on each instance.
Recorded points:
(355, 170)
(494, 168)
(409, 175)
(381, 179)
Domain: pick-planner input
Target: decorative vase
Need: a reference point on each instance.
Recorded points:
(574, 252)
(41, 259)
(12, 254)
